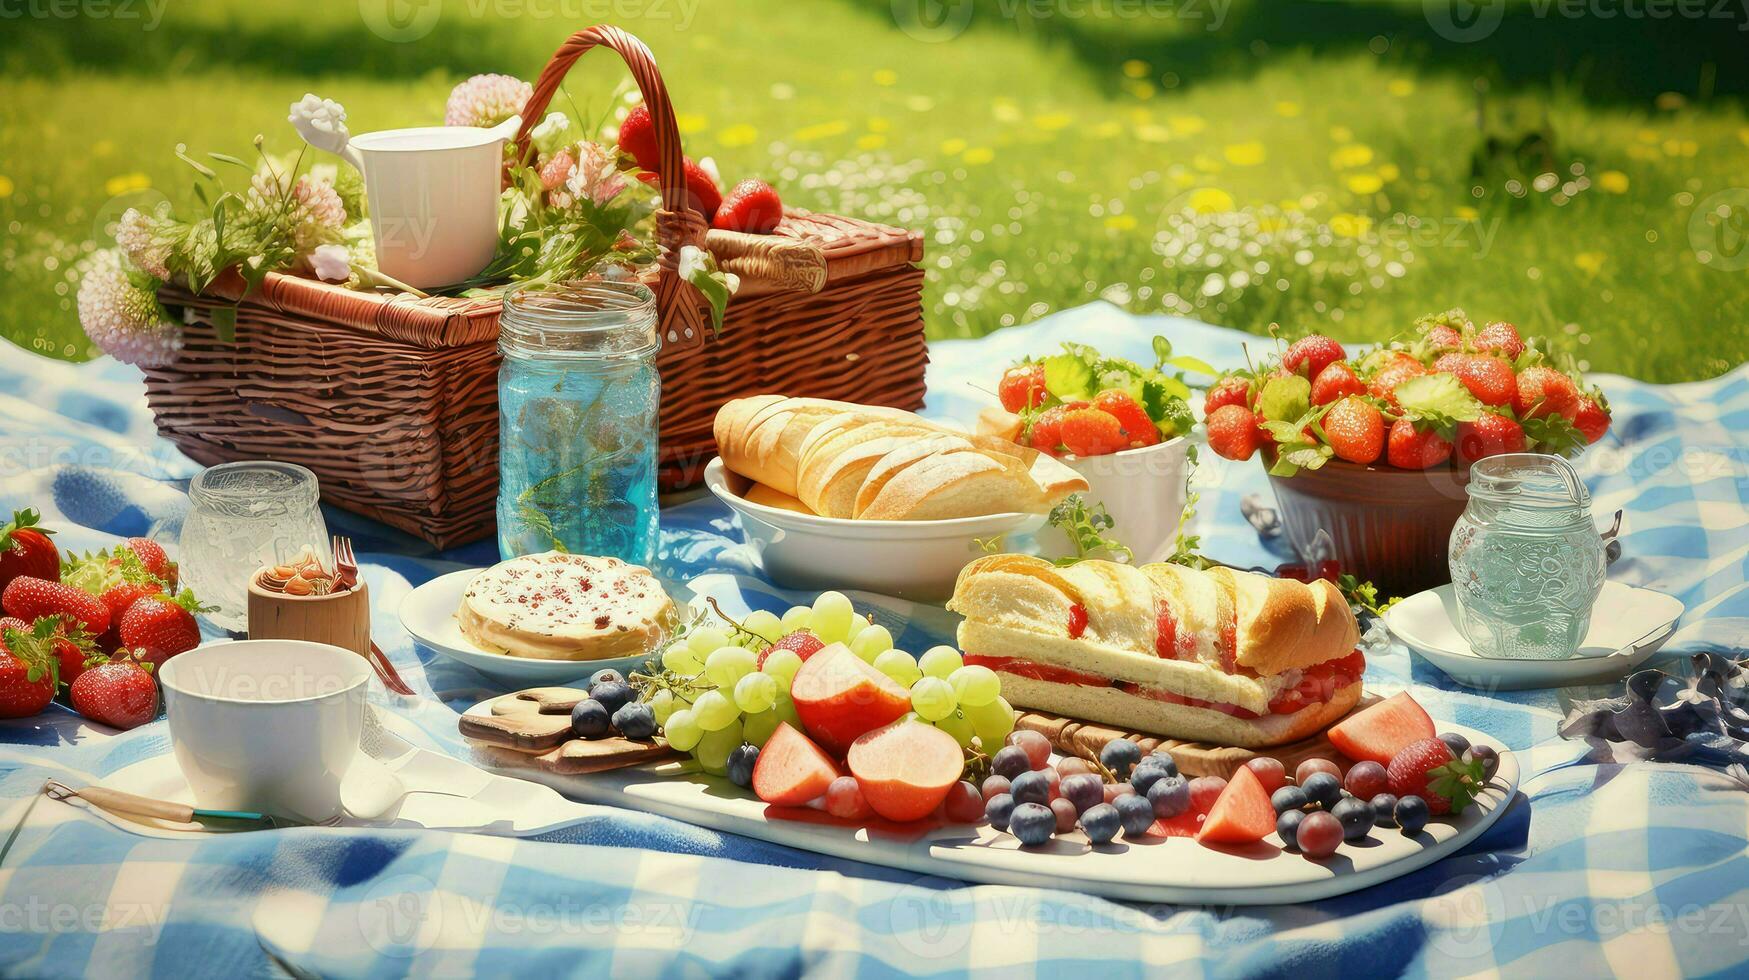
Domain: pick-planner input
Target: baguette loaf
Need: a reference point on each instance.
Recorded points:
(871, 463)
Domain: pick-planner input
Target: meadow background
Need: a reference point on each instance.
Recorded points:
(1580, 167)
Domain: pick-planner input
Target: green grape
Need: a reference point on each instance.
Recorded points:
(871, 642)
(992, 722)
(764, 625)
(975, 685)
(898, 665)
(831, 617)
(682, 659)
(785, 710)
(663, 704)
(782, 664)
(758, 728)
(959, 727)
(797, 618)
(726, 665)
(714, 711)
(940, 661)
(681, 730)
(713, 749)
(755, 692)
(703, 641)
(933, 698)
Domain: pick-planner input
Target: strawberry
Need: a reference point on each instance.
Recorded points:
(801, 642)
(1093, 432)
(1231, 390)
(1502, 338)
(119, 693)
(702, 193)
(1310, 355)
(1379, 732)
(1488, 377)
(1545, 391)
(1426, 768)
(31, 599)
(752, 206)
(1412, 449)
(159, 627)
(1591, 419)
(1487, 436)
(637, 136)
(1395, 371)
(1022, 387)
(1334, 382)
(1444, 336)
(1233, 432)
(25, 549)
(1138, 428)
(1046, 434)
(27, 669)
(1355, 429)
(118, 601)
(152, 558)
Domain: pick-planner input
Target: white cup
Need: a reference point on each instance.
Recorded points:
(1144, 491)
(267, 726)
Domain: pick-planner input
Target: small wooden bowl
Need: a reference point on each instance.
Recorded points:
(339, 618)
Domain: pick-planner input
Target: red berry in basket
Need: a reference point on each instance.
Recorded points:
(1138, 428)
(802, 643)
(1306, 768)
(1444, 336)
(1501, 337)
(1319, 835)
(1335, 381)
(1047, 432)
(702, 193)
(1545, 391)
(30, 599)
(1092, 432)
(752, 206)
(119, 693)
(1270, 772)
(1233, 432)
(25, 550)
(1412, 449)
(1022, 387)
(637, 136)
(1355, 429)
(1487, 377)
(1204, 791)
(1487, 436)
(1426, 768)
(1591, 420)
(1309, 356)
(1398, 370)
(152, 557)
(1232, 390)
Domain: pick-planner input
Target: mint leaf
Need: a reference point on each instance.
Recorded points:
(1437, 401)
(1068, 377)
(1284, 398)
(1195, 365)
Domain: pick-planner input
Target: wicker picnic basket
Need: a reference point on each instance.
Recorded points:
(392, 399)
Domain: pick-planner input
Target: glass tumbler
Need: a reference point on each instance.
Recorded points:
(578, 395)
(242, 516)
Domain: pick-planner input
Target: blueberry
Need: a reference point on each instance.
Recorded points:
(741, 760)
(1120, 756)
(1146, 773)
(1287, 826)
(635, 720)
(1135, 813)
(1411, 815)
(1355, 816)
(1031, 787)
(1384, 810)
(1033, 824)
(1289, 798)
(1084, 789)
(1010, 761)
(1169, 797)
(604, 675)
(1456, 743)
(998, 809)
(612, 694)
(1100, 823)
(1323, 789)
(1164, 758)
(591, 719)
(1489, 758)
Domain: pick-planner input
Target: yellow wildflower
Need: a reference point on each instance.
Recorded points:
(1468, 213)
(1187, 125)
(1135, 69)
(1248, 154)
(953, 147)
(1108, 129)
(1005, 111)
(126, 183)
(1141, 90)
(871, 141)
(1591, 262)
(1183, 178)
(1400, 87)
(1350, 156)
(1050, 122)
(690, 122)
(6, 186)
(739, 134)
(1350, 225)
(1646, 135)
(1743, 135)
(821, 130)
(879, 124)
(1613, 181)
(1208, 200)
(1289, 204)
(886, 76)
(1287, 109)
(1389, 172)
(979, 154)
(1206, 163)
(1121, 222)
(1365, 183)
(1153, 133)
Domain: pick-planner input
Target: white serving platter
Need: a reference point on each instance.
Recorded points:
(1155, 869)
(1628, 625)
(428, 612)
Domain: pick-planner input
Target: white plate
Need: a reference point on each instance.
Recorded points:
(1172, 869)
(428, 612)
(1627, 626)
(910, 559)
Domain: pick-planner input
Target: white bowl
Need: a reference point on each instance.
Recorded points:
(1144, 492)
(1627, 627)
(909, 559)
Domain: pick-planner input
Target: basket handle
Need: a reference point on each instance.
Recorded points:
(683, 320)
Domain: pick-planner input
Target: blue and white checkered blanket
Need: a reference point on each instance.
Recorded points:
(1640, 868)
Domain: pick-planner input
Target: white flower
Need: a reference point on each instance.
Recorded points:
(709, 166)
(486, 100)
(693, 262)
(321, 122)
(331, 262)
(122, 317)
(733, 282)
(550, 134)
(144, 248)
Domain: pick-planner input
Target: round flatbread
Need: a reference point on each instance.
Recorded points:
(555, 606)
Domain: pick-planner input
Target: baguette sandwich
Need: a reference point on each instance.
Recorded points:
(1220, 656)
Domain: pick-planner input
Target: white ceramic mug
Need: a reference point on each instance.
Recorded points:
(268, 726)
(1144, 491)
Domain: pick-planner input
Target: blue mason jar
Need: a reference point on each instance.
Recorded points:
(577, 407)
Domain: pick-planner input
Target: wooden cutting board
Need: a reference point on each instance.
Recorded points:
(533, 728)
(1083, 738)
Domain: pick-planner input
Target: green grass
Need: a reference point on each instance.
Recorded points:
(1050, 160)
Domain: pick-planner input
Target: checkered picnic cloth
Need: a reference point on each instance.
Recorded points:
(1640, 868)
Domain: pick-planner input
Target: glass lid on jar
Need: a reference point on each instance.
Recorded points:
(1528, 480)
(582, 316)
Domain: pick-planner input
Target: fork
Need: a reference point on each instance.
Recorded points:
(345, 579)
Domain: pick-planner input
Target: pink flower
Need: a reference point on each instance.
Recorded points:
(557, 169)
(596, 177)
(486, 100)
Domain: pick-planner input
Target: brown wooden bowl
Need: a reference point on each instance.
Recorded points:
(1388, 525)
